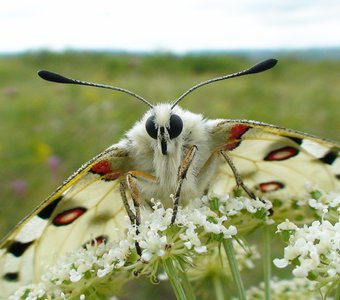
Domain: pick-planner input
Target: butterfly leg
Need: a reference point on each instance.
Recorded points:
(122, 188)
(182, 171)
(237, 176)
(131, 178)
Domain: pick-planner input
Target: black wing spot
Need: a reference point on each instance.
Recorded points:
(47, 211)
(296, 140)
(329, 157)
(17, 248)
(337, 176)
(13, 276)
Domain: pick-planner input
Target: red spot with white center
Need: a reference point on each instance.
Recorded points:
(235, 135)
(68, 216)
(282, 154)
(103, 167)
(271, 186)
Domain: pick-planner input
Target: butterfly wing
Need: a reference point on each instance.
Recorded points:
(273, 160)
(85, 208)
(88, 205)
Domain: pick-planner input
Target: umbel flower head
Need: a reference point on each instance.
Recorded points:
(314, 249)
(99, 270)
(191, 250)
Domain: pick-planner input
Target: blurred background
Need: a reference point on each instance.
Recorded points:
(157, 49)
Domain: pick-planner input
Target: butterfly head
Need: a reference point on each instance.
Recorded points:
(164, 125)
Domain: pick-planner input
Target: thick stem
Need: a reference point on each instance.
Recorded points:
(186, 283)
(337, 291)
(228, 247)
(175, 280)
(218, 288)
(267, 260)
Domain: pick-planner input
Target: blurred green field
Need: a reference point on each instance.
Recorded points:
(48, 130)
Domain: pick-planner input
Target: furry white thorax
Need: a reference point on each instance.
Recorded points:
(146, 154)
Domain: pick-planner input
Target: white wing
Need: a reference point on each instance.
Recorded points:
(85, 208)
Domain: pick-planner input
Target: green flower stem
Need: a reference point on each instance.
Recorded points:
(267, 260)
(337, 292)
(186, 283)
(228, 247)
(175, 280)
(219, 295)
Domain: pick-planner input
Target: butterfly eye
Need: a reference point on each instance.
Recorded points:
(176, 126)
(150, 127)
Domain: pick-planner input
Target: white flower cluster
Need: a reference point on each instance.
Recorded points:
(327, 205)
(95, 264)
(245, 255)
(75, 272)
(31, 292)
(194, 222)
(295, 288)
(314, 250)
(231, 206)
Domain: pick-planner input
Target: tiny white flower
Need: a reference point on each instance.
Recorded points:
(75, 276)
(152, 244)
(229, 232)
(280, 263)
(162, 277)
(332, 272)
(300, 271)
(103, 272)
(201, 249)
(188, 244)
(286, 225)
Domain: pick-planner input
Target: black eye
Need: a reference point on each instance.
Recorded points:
(176, 126)
(150, 127)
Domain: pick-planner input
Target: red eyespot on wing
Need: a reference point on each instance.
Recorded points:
(68, 216)
(271, 186)
(282, 153)
(235, 135)
(103, 167)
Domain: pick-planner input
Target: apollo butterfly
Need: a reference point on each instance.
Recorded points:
(169, 151)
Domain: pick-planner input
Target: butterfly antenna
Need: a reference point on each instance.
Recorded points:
(54, 77)
(259, 67)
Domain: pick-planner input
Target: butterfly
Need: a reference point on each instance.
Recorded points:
(173, 155)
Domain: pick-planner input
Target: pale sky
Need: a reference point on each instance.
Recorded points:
(176, 25)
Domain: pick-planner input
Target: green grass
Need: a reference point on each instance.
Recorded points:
(41, 121)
